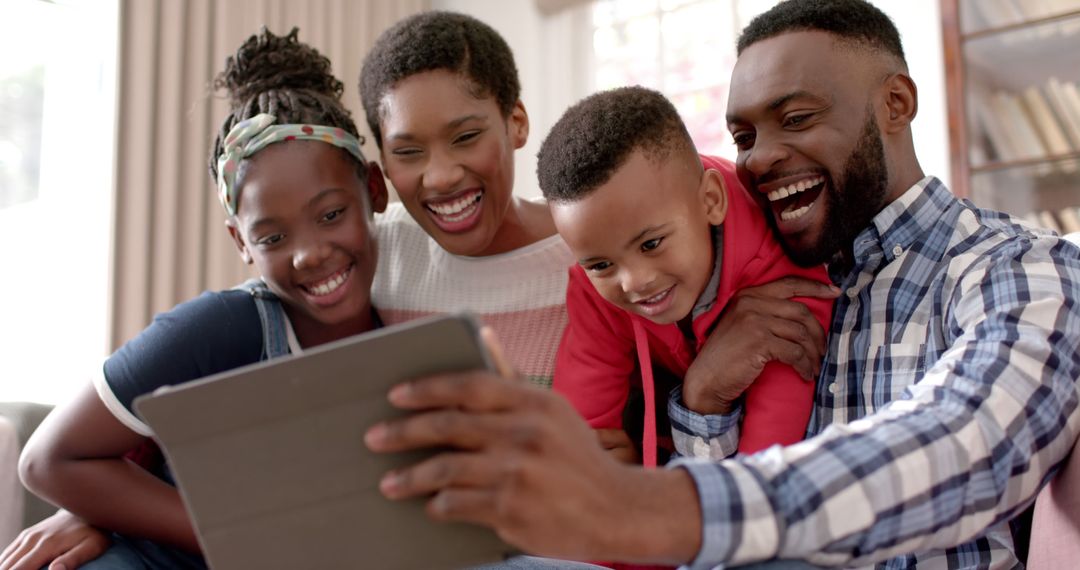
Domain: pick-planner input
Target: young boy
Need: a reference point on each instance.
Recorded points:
(664, 240)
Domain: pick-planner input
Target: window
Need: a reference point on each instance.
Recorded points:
(22, 90)
(57, 88)
(683, 48)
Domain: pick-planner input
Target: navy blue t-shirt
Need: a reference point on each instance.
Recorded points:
(215, 332)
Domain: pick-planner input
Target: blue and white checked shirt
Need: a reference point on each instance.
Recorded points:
(947, 398)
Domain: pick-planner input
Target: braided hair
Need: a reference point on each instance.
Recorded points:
(283, 77)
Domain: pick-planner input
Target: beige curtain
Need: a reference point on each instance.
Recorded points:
(169, 241)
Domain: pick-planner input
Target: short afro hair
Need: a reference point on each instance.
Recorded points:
(439, 40)
(856, 21)
(598, 134)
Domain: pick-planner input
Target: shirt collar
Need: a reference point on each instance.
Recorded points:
(707, 299)
(902, 223)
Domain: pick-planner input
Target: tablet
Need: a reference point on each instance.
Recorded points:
(271, 464)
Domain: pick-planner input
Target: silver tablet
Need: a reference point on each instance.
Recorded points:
(271, 463)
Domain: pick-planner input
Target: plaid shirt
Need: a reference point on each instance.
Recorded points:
(947, 398)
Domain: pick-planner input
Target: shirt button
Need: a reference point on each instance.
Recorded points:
(832, 388)
(897, 250)
(852, 293)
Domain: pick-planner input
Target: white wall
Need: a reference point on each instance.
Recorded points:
(551, 58)
(919, 22)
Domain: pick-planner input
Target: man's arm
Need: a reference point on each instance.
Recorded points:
(760, 325)
(525, 464)
(965, 448)
(968, 447)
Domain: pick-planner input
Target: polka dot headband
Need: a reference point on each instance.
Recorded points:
(252, 135)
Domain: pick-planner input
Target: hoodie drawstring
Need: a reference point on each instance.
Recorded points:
(648, 435)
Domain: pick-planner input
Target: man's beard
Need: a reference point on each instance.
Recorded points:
(852, 202)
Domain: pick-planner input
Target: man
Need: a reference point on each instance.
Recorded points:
(948, 392)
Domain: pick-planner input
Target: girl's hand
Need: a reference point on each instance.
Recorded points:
(62, 539)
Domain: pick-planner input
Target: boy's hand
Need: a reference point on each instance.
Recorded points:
(619, 445)
(760, 324)
(524, 463)
(62, 539)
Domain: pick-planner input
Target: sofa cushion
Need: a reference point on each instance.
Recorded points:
(1055, 529)
(26, 416)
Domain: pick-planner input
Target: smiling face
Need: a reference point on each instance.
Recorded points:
(644, 237)
(450, 155)
(303, 222)
(802, 113)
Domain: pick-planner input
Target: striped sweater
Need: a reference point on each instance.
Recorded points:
(521, 293)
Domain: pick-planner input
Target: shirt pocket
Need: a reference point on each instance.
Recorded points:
(894, 368)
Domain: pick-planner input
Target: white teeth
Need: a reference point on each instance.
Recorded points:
(792, 189)
(458, 209)
(330, 285)
(656, 298)
(788, 215)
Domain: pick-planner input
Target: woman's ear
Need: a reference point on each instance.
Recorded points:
(238, 239)
(376, 186)
(901, 103)
(518, 125)
(714, 196)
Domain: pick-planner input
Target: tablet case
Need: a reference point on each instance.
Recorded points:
(271, 463)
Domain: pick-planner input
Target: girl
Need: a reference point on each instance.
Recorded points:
(299, 197)
(441, 95)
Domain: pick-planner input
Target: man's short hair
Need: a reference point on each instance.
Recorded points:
(598, 134)
(856, 21)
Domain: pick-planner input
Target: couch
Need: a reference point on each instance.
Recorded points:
(25, 417)
(1055, 526)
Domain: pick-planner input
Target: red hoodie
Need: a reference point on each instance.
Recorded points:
(604, 349)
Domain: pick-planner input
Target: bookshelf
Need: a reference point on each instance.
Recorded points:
(1013, 80)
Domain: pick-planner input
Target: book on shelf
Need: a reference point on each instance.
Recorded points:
(1072, 98)
(1047, 220)
(1049, 130)
(993, 13)
(1032, 218)
(1063, 221)
(1060, 106)
(1001, 141)
(1070, 220)
(1025, 140)
(1053, 7)
(1032, 9)
(1041, 121)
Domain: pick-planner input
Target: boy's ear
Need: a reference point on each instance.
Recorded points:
(518, 125)
(238, 239)
(714, 196)
(376, 186)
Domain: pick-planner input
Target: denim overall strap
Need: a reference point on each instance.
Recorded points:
(271, 315)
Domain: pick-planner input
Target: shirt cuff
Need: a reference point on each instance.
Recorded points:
(738, 524)
(714, 436)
